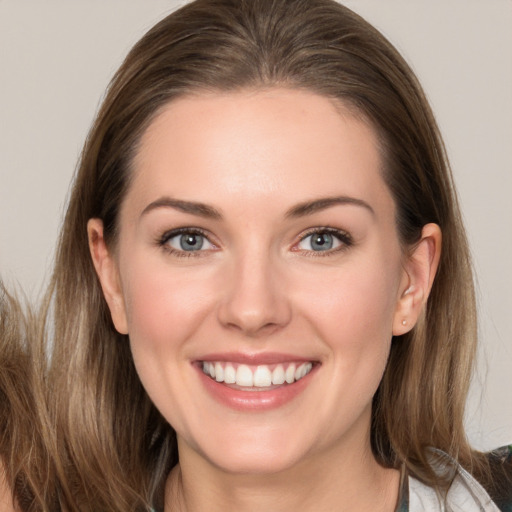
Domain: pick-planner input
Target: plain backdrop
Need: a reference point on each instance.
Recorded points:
(57, 56)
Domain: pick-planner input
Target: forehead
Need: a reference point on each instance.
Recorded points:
(278, 144)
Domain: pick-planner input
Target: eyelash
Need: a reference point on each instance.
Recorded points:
(343, 237)
(168, 235)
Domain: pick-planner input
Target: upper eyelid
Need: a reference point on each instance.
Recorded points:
(171, 233)
(179, 231)
(325, 229)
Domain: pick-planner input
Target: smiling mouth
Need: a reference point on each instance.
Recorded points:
(255, 377)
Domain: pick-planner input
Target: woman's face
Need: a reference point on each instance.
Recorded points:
(260, 276)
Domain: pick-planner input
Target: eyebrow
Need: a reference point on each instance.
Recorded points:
(310, 207)
(300, 210)
(192, 207)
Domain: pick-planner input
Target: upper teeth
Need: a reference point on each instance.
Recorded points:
(256, 376)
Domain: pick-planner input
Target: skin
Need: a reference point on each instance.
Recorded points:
(259, 287)
(6, 498)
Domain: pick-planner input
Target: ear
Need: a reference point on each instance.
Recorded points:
(108, 274)
(420, 268)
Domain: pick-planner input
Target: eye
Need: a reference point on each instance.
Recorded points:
(186, 240)
(323, 240)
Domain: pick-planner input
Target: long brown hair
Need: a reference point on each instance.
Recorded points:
(117, 446)
(28, 458)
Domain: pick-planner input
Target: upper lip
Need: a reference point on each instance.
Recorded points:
(255, 358)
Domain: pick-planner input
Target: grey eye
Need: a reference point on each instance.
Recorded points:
(189, 241)
(319, 241)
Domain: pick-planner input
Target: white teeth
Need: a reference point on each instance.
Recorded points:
(229, 374)
(278, 376)
(262, 377)
(290, 374)
(219, 372)
(244, 376)
(300, 371)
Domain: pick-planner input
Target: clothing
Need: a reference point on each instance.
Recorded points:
(465, 493)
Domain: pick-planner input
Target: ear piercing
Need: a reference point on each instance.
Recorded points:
(404, 322)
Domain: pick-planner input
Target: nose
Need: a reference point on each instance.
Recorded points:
(254, 299)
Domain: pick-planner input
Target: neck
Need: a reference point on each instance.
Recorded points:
(346, 482)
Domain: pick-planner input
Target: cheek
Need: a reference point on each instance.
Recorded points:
(165, 308)
(362, 299)
(164, 304)
(353, 315)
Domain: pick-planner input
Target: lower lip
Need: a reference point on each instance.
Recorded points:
(255, 400)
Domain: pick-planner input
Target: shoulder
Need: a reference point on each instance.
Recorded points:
(501, 456)
(465, 492)
(500, 465)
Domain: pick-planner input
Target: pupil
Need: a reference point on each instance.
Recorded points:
(191, 242)
(322, 241)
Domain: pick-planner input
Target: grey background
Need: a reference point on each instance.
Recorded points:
(57, 56)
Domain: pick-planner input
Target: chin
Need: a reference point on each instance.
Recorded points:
(255, 455)
(256, 463)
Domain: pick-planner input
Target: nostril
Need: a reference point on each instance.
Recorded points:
(254, 321)
(252, 327)
(253, 301)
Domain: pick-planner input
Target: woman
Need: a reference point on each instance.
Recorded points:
(262, 295)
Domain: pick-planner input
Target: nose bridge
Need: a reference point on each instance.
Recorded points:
(254, 299)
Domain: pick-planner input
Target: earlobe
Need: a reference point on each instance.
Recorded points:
(108, 274)
(420, 269)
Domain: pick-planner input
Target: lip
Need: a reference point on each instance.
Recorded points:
(258, 400)
(254, 359)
